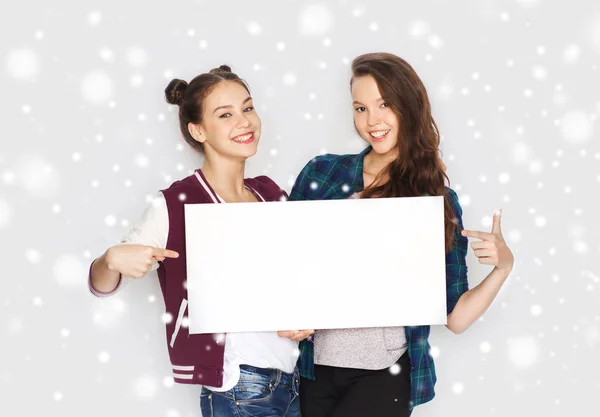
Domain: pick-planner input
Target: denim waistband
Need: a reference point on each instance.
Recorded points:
(272, 374)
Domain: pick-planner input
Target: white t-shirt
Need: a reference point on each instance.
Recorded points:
(260, 349)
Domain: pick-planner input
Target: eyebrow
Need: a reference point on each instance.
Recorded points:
(358, 102)
(229, 106)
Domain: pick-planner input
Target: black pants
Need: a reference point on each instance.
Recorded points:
(347, 392)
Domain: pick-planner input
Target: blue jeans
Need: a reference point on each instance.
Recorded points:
(260, 392)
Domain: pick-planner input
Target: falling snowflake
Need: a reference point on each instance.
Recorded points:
(110, 220)
(146, 387)
(253, 28)
(69, 271)
(5, 214)
(539, 73)
(97, 87)
(419, 29)
(23, 64)
(458, 388)
(523, 351)
(167, 318)
(435, 41)
(103, 357)
(137, 57)
(536, 310)
(316, 19)
(290, 79)
(571, 54)
(576, 127)
(94, 18)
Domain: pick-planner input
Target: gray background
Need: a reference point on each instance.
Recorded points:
(88, 138)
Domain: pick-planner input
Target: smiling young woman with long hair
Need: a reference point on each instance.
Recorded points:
(346, 372)
(242, 374)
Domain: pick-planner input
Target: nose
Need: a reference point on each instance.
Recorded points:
(373, 118)
(243, 122)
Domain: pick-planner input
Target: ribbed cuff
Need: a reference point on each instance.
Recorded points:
(97, 292)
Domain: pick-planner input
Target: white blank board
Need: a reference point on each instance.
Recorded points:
(315, 264)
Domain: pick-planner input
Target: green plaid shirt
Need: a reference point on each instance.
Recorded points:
(330, 177)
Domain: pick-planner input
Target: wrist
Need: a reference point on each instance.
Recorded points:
(107, 259)
(504, 271)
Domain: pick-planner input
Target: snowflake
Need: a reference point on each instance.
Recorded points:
(23, 64)
(316, 19)
(97, 87)
(254, 28)
(523, 351)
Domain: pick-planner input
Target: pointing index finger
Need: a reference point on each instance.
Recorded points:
(478, 235)
(166, 253)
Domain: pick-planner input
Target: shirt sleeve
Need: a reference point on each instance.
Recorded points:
(152, 229)
(456, 265)
(300, 188)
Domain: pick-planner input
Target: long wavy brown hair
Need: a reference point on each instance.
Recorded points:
(418, 170)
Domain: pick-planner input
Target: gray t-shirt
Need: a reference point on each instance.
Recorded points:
(363, 348)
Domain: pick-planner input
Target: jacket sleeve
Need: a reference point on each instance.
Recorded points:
(152, 229)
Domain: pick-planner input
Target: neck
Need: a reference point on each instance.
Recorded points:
(374, 163)
(225, 175)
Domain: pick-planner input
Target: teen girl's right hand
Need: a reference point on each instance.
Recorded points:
(295, 335)
(134, 260)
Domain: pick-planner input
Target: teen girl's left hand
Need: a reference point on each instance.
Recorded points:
(492, 249)
(295, 335)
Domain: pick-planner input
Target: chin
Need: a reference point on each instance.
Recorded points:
(382, 148)
(248, 153)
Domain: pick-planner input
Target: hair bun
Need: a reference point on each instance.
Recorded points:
(175, 91)
(222, 68)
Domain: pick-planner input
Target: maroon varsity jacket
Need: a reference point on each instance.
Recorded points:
(195, 358)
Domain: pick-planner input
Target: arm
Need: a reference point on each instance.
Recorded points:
(103, 280)
(492, 250)
(132, 260)
(137, 253)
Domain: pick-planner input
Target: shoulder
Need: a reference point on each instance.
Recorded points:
(263, 180)
(152, 227)
(325, 170)
(156, 208)
(329, 163)
(453, 199)
(265, 185)
(182, 183)
(451, 194)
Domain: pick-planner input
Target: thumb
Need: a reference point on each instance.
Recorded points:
(496, 228)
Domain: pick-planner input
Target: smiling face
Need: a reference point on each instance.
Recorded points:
(375, 121)
(230, 126)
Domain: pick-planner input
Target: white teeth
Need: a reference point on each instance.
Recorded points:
(243, 138)
(379, 134)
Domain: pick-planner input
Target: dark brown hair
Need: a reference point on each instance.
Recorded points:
(418, 170)
(190, 97)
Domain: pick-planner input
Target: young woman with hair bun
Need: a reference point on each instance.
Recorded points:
(242, 374)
